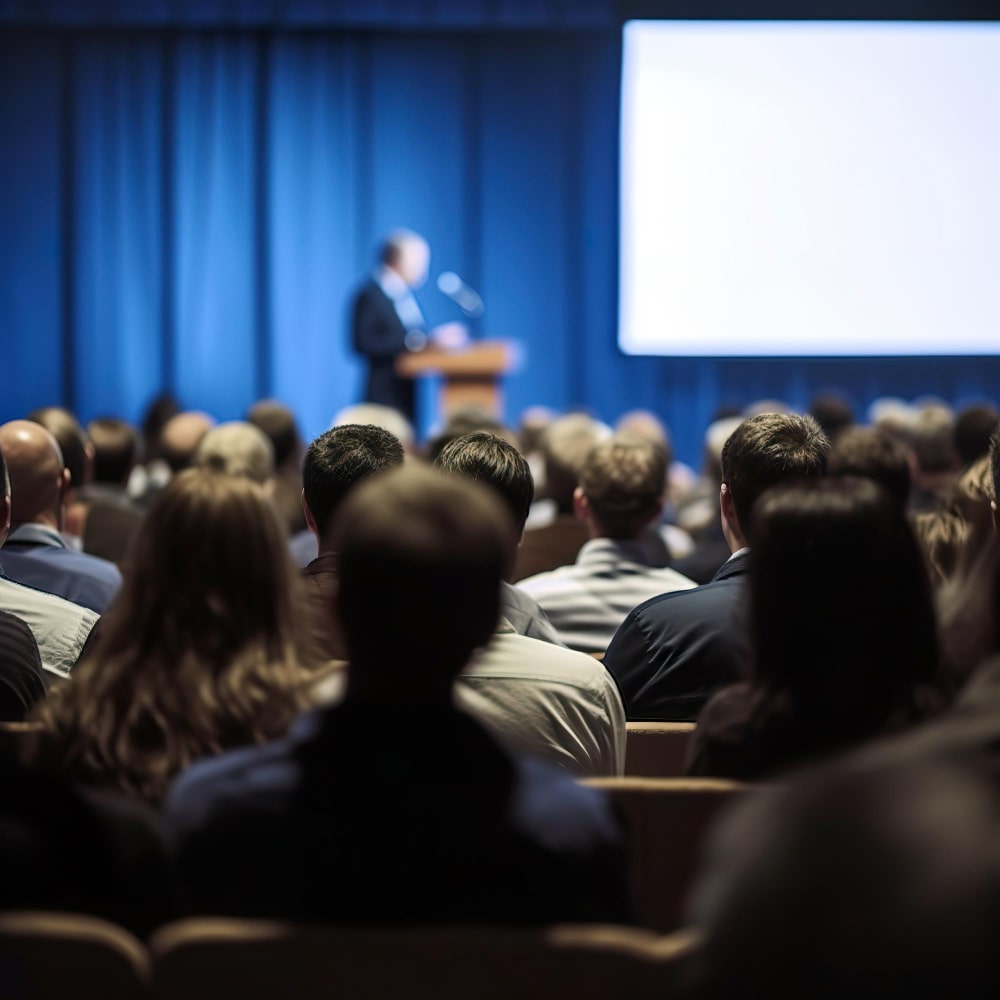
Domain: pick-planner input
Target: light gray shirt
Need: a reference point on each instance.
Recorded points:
(588, 600)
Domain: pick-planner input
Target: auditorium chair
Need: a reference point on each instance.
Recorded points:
(209, 958)
(20, 740)
(666, 820)
(69, 957)
(657, 749)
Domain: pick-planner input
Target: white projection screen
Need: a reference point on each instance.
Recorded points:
(810, 189)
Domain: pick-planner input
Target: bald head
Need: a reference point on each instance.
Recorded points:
(37, 478)
(182, 435)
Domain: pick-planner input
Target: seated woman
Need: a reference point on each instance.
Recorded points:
(200, 652)
(842, 628)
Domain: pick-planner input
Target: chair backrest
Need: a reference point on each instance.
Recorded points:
(666, 820)
(46, 955)
(204, 959)
(20, 740)
(657, 749)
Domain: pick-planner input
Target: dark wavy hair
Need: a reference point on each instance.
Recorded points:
(201, 650)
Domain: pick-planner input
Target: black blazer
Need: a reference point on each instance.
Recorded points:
(674, 651)
(378, 334)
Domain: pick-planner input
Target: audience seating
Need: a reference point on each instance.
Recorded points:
(208, 958)
(46, 955)
(667, 820)
(657, 749)
(20, 740)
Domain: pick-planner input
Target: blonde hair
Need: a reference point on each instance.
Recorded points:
(201, 651)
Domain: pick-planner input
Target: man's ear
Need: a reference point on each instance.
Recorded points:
(65, 483)
(581, 505)
(308, 514)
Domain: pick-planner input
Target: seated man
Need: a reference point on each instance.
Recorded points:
(60, 628)
(674, 651)
(619, 496)
(36, 553)
(394, 806)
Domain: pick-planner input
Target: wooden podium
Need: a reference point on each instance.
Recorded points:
(471, 374)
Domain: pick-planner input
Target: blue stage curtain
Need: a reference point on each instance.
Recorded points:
(190, 209)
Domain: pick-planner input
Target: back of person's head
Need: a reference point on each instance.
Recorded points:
(564, 447)
(974, 426)
(237, 449)
(116, 448)
(942, 536)
(37, 477)
(854, 883)
(158, 413)
(378, 415)
(489, 459)
(840, 605)
(647, 425)
(77, 451)
(278, 422)
(869, 453)
(420, 559)
(933, 435)
(768, 449)
(202, 648)
(833, 413)
(181, 436)
(337, 461)
(465, 421)
(622, 483)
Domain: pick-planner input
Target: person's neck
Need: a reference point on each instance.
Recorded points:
(45, 519)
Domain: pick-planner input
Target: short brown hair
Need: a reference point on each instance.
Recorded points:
(624, 479)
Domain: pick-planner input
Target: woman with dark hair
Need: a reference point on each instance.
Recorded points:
(842, 628)
(201, 651)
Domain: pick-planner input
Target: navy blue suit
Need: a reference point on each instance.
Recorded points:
(378, 814)
(379, 335)
(673, 652)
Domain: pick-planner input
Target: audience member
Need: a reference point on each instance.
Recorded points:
(180, 439)
(334, 464)
(60, 628)
(487, 458)
(564, 446)
(35, 553)
(854, 883)
(833, 413)
(317, 817)
(151, 475)
(237, 448)
(619, 496)
(674, 651)
(203, 650)
(278, 422)
(974, 426)
(844, 645)
(380, 416)
(936, 464)
(869, 453)
(112, 518)
(78, 457)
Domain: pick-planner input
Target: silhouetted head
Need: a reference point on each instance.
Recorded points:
(854, 883)
(181, 436)
(420, 559)
(564, 447)
(974, 426)
(833, 413)
(869, 453)
(933, 436)
(335, 463)
(763, 451)
(116, 449)
(278, 422)
(487, 458)
(841, 610)
(621, 489)
(237, 449)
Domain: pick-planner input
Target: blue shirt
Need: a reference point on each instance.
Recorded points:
(38, 556)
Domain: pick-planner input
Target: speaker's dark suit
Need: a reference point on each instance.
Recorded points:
(379, 335)
(674, 651)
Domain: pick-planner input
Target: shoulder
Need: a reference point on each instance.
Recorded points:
(517, 657)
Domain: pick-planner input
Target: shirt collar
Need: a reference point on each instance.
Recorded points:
(738, 552)
(37, 534)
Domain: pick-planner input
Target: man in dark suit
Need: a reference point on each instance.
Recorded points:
(386, 320)
(394, 806)
(674, 651)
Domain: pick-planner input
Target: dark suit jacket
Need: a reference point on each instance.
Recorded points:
(394, 814)
(379, 335)
(674, 651)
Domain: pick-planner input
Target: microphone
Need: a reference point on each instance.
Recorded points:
(467, 299)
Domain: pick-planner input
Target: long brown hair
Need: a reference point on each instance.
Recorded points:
(202, 649)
